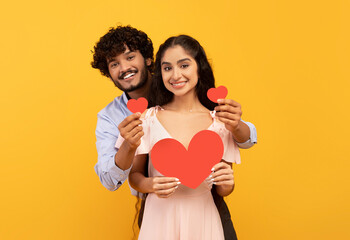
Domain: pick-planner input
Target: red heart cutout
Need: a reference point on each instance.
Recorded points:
(217, 93)
(191, 166)
(139, 105)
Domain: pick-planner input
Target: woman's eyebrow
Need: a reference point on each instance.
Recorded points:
(179, 61)
(184, 59)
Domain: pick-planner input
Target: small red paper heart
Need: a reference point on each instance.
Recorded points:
(191, 166)
(217, 93)
(139, 105)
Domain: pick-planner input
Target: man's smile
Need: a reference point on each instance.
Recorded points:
(128, 75)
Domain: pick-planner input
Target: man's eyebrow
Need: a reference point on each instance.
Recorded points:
(179, 61)
(113, 58)
(127, 53)
(109, 60)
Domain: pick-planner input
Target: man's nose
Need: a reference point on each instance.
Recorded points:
(124, 66)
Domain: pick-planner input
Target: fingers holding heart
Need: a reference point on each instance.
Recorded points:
(222, 174)
(131, 130)
(165, 186)
(229, 112)
(209, 180)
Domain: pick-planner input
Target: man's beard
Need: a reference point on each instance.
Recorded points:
(143, 81)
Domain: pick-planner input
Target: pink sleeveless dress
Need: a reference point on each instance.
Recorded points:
(188, 214)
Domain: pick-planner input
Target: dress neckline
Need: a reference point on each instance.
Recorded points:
(212, 114)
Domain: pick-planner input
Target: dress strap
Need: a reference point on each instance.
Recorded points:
(212, 114)
(153, 111)
(149, 112)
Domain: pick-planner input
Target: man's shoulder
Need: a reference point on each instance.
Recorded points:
(116, 109)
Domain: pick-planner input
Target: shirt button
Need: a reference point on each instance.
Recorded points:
(121, 175)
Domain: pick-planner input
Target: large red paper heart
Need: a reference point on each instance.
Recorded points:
(191, 166)
(217, 93)
(139, 105)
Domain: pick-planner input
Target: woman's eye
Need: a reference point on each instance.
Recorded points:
(184, 65)
(167, 68)
(131, 57)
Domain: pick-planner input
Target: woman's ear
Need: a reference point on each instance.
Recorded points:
(148, 62)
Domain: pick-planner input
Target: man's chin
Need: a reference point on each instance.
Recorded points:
(131, 86)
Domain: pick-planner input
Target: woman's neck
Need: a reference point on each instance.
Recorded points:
(185, 104)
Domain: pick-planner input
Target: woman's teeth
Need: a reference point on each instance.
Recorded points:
(178, 84)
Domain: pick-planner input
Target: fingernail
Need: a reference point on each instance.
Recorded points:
(212, 179)
(213, 169)
(176, 179)
(176, 187)
(178, 183)
(210, 176)
(219, 100)
(138, 114)
(214, 182)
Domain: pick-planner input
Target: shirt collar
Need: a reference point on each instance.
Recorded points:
(127, 95)
(124, 98)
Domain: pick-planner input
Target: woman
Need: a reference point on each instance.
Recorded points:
(180, 110)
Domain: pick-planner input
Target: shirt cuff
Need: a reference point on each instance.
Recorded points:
(117, 174)
(245, 145)
(252, 138)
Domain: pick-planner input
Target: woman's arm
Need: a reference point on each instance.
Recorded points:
(162, 186)
(222, 177)
(137, 178)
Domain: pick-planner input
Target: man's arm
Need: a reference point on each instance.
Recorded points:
(114, 165)
(111, 176)
(252, 136)
(229, 112)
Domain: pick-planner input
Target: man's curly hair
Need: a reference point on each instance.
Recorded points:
(113, 43)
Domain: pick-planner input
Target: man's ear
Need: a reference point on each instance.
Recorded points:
(148, 62)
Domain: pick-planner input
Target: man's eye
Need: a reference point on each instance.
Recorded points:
(114, 65)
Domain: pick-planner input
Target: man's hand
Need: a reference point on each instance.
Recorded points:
(164, 186)
(131, 130)
(229, 112)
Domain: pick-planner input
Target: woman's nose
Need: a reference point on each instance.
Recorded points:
(176, 74)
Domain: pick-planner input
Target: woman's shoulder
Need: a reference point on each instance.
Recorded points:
(149, 112)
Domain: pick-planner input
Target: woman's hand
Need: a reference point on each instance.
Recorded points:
(164, 186)
(222, 177)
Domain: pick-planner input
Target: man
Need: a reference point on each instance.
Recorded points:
(125, 55)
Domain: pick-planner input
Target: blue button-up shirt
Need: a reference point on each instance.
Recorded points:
(108, 119)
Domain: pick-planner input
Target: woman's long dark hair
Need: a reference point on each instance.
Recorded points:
(159, 95)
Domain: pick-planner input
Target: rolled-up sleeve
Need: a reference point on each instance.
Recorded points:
(111, 176)
(253, 137)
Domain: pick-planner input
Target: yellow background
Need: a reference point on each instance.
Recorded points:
(286, 62)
